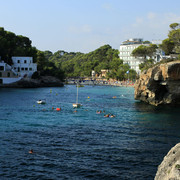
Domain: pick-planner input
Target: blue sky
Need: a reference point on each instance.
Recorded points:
(85, 25)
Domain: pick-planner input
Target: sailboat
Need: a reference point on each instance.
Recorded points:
(77, 105)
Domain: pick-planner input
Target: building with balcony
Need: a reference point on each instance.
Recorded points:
(125, 51)
(129, 45)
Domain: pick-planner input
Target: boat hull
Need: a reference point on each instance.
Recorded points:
(41, 102)
(76, 105)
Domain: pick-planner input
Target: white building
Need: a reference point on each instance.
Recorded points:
(129, 45)
(7, 74)
(24, 66)
(125, 51)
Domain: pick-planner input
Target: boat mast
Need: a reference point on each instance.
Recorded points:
(77, 94)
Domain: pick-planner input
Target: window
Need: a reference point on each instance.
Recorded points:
(18, 61)
(0, 74)
(1, 68)
(26, 69)
(25, 61)
(22, 69)
(30, 69)
(15, 68)
(8, 74)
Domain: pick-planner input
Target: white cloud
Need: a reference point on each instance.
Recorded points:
(138, 21)
(151, 26)
(80, 29)
(171, 18)
(151, 15)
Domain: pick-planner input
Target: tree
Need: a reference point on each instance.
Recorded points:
(147, 64)
(41, 61)
(145, 51)
(174, 36)
(15, 45)
(167, 46)
(174, 26)
(140, 51)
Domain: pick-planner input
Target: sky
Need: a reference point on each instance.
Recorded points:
(85, 25)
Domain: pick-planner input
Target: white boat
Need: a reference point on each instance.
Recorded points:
(41, 102)
(77, 105)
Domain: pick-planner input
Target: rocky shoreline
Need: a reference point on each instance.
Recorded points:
(169, 169)
(160, 84)
(43, 81)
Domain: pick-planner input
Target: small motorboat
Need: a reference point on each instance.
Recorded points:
(41, 102)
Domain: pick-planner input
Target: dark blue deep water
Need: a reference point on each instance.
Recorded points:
(83, 144)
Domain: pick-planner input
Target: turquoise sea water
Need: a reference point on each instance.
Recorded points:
(83, 144)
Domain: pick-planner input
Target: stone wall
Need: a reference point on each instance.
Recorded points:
(160, 84)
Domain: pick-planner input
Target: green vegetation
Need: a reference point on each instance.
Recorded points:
(62, 64)
(145, 51)
(81, 65)
(177, 166)
(17, 45)
(171, 45)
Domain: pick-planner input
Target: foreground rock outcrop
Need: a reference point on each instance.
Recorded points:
(169, 169)
(43, 81)
(160, 84)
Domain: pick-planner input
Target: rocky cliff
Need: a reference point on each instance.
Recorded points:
(160, 84)
(43, 81)
(169, 169)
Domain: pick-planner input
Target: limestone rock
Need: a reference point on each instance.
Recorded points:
(169, 169)
(160, 84)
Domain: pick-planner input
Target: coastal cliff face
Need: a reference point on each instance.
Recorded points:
(160, 84)
(169, 169)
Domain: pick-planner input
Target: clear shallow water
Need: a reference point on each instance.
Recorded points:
(83, 145)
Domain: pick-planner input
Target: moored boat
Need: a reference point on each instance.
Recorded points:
(41, 102)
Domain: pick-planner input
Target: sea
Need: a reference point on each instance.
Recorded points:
(82, 144)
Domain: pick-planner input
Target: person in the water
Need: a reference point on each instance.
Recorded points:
(31, 151)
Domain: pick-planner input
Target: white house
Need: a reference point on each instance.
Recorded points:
(7, 75)
(24, 66)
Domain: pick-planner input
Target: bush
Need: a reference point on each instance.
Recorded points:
(35, 75)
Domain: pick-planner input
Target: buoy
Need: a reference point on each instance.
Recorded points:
(58, 109)
(88, 97)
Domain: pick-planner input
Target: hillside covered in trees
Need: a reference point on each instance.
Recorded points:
(18, 45)
(81, 65)
(63, 64)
